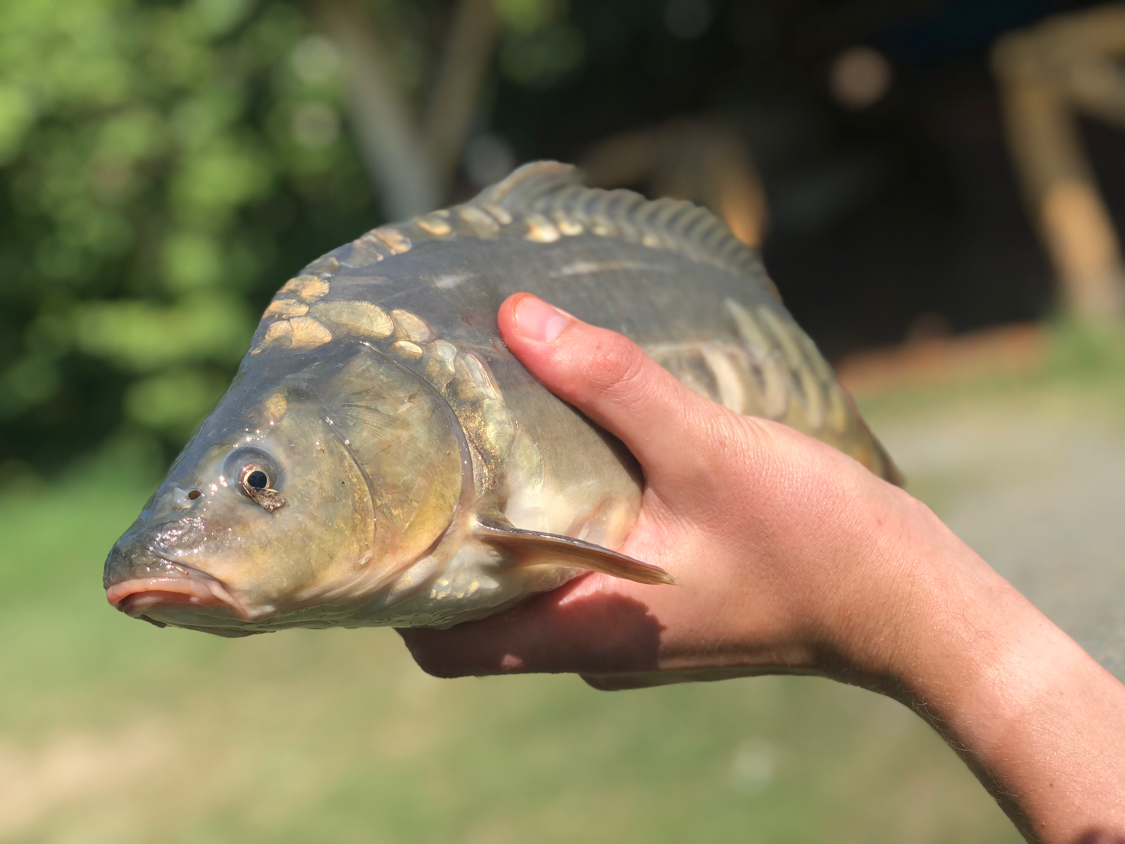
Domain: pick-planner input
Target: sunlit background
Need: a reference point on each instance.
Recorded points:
(937, 187)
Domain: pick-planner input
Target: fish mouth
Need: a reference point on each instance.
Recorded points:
(137, 596)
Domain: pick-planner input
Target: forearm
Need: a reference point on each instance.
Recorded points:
(1036, 718)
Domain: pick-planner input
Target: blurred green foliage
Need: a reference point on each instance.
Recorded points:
(163, 168)
(165, 165)
(540, 46)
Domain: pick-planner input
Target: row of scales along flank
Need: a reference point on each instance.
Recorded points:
(542, 202)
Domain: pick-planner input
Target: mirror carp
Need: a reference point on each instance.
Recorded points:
(381, 459)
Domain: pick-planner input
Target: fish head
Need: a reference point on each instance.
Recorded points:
(302, 496)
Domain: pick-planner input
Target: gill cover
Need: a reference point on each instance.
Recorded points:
(406, 441)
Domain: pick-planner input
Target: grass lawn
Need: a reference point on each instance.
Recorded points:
(116, 731)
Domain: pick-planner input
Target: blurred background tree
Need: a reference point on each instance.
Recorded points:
(163, 165)
(166, 164)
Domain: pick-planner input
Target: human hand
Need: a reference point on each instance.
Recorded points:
(787, 553)
(791, 557)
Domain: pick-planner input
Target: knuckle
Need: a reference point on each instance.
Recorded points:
(433, 660)
(439, 668)
(603, 683)
(436, 666)
(615, 364)
(618, 375)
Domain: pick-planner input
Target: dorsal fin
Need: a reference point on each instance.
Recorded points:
(527, 183)
(555, 190)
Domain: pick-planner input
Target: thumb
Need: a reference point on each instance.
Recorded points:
(611, 380)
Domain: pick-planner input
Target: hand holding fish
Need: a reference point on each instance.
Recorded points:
(792, 558)
(382, 459)
(749, 516)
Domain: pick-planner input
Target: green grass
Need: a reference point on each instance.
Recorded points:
(115, 731)
(111, 730)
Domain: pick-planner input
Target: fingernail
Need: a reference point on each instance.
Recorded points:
(538, 321)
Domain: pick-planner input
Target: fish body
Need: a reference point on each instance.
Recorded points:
(382, 459)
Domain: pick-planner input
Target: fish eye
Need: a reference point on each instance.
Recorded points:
(257, 476)
(253, 477)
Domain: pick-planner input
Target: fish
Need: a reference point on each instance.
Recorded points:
(382, 459)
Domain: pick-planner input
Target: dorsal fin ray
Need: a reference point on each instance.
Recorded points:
(552, 188)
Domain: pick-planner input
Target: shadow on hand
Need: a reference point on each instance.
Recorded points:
(588, 633)
(1098, 836)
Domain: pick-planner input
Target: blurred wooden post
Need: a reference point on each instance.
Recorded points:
(388, 139)
(465, 60)
(1033, 69)
(411, 164)
(706, 162)
(738, 190)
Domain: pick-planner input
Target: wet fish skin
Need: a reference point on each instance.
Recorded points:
(382, 459)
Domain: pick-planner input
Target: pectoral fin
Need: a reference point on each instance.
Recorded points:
(545, 549)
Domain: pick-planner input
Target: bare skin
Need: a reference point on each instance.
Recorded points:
(792, 558)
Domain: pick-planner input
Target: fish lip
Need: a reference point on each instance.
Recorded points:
(194, 587)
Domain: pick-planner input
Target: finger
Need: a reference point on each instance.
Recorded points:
(628, 682)
(611, 380)
(577, 629)
(652, 679)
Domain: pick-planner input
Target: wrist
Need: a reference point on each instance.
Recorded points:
(904, 596)
(1039, 722)
(941, 624)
